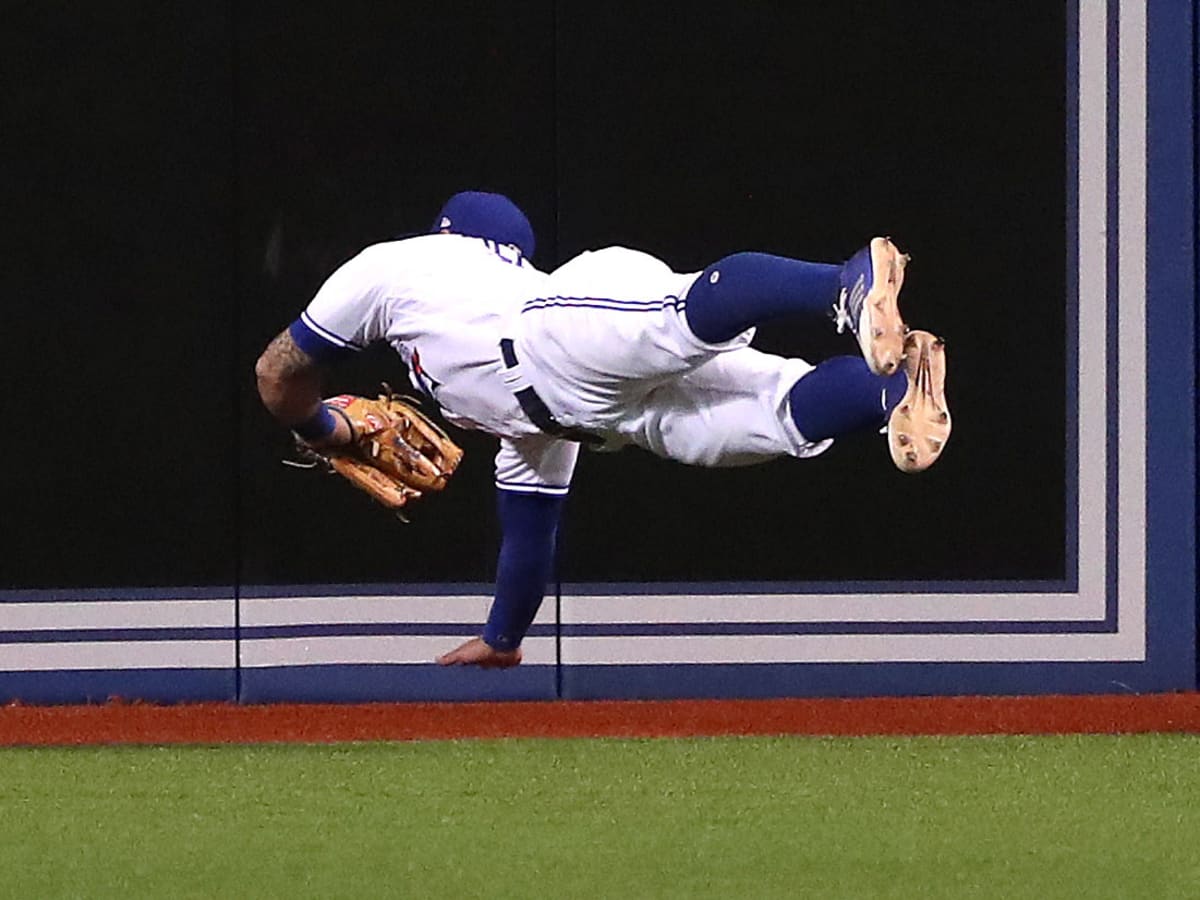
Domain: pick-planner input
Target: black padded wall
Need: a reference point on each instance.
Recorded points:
(178, 184)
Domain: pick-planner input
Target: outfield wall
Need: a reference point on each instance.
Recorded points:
(1053, 549)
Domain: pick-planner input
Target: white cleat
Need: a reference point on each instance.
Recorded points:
(919, 426)
(868, 303)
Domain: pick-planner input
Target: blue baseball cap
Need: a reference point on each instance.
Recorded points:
(485, 215)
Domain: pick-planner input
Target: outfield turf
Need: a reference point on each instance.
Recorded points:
(1038, 817)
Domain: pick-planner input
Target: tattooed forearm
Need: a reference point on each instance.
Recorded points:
(283, 358)
(289, 381)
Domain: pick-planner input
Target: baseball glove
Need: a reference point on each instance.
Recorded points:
(397, 453)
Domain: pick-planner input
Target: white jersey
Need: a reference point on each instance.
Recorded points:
(603, 341)
(611, 352)
(444, 302)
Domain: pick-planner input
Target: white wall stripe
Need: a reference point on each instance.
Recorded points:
(751, 608)
(1131, 325)
(1092, 239)
(372, 650)
(166, 613)
(861, 648)
(74, 656)
(350, 610)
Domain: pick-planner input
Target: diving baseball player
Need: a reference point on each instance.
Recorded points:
(611, 349)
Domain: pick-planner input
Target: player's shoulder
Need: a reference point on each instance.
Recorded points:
(434, 264)
(403, 258)
(416, 246)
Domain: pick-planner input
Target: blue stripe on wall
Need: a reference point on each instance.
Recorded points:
(78, 635)
(756, 681)
(99, 686)
(1171, 266)
(397, 684)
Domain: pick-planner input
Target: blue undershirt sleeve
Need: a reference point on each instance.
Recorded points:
(529, 527)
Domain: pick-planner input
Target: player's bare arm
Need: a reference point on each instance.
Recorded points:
(289, 383)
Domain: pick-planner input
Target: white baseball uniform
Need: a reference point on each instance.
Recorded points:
(610, 352)
(602, 341)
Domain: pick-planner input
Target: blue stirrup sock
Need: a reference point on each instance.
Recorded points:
(841, 396)
(747, 289)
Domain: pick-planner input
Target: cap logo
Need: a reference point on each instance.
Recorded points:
(445, 223)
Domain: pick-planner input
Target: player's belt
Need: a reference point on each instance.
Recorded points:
(532, 405)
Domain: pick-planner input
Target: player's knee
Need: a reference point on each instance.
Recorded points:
(747, 288)
(709, 300)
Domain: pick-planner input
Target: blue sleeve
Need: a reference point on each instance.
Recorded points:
(529, 527)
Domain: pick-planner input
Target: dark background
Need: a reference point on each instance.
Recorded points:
(177, 182)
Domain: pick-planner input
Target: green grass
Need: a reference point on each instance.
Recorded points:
(1070, 816)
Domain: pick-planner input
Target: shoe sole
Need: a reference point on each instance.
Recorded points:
(881, 331)
(919, 426)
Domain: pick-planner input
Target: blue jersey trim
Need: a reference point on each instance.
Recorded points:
(323, 346)
(517, 487)
(605, 303)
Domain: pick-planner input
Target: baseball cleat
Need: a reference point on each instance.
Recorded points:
(868, 303)
(919, 426)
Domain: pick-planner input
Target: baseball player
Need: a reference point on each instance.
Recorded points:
(611, 349)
